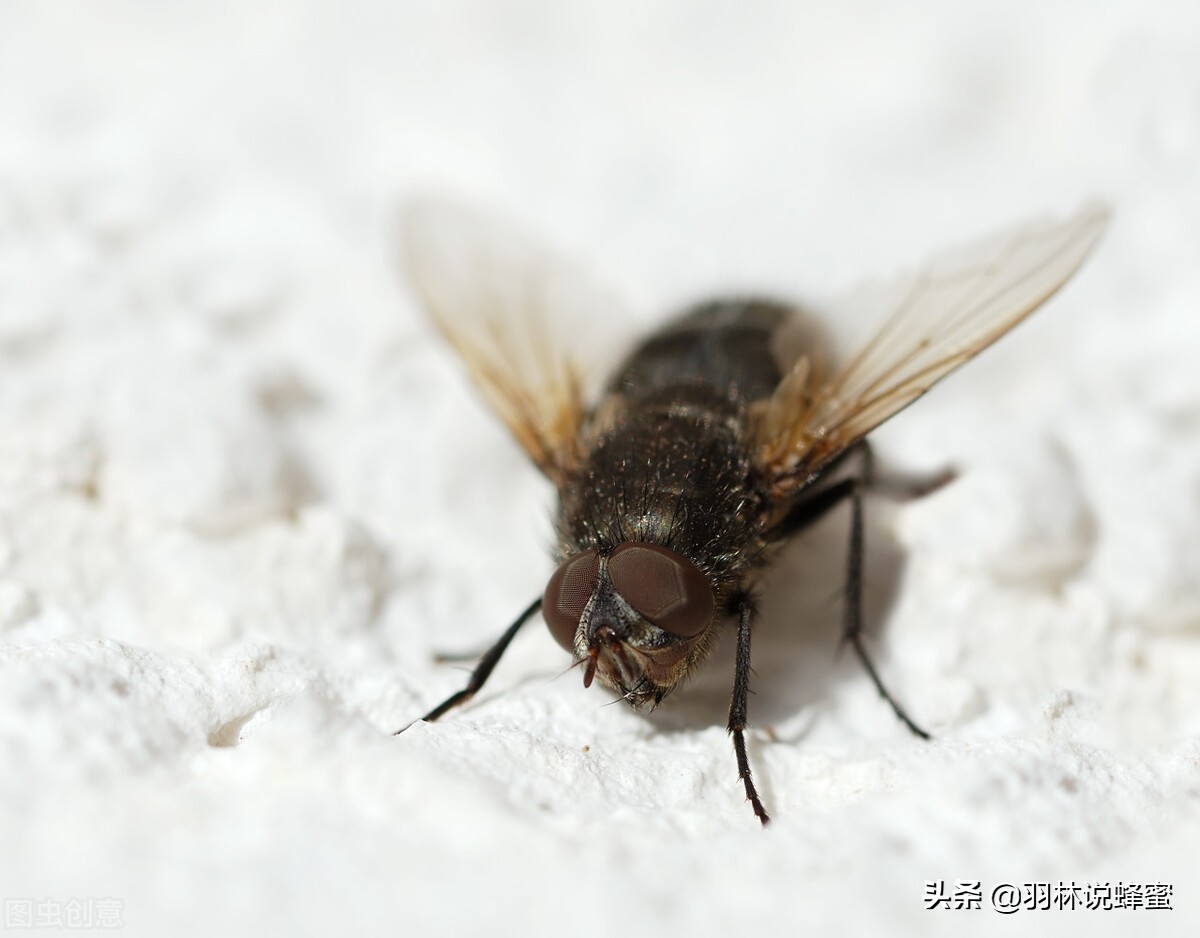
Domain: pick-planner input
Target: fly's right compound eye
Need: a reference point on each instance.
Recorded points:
(568, 591)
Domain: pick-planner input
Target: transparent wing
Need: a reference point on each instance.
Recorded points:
(505, 304)
(955, 308)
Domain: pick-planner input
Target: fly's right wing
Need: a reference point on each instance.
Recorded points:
(507, 306)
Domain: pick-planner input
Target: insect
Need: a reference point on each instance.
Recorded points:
(717, 438)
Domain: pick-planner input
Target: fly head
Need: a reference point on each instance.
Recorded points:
(634, 616)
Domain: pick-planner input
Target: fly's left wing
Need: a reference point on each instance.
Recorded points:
(506, 305)
(955, 308)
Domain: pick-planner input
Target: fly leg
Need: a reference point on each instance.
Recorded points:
(853, 622)
(817, 505)
(737, 706)
(484, 669)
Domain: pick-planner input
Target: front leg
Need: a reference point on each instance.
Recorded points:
(484, 669)
(737, 706)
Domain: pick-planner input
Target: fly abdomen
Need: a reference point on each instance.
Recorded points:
(724, 345)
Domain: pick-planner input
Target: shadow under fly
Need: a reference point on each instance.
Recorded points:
(801, 646)
(720, 437)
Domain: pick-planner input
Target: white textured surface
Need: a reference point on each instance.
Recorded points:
(245, 494)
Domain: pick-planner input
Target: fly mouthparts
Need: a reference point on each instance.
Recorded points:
(589, 670)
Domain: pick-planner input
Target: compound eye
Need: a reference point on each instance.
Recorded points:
(665, 587)
(568, 591)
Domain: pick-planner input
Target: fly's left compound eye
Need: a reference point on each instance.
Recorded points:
(567, 593)
(665, 587)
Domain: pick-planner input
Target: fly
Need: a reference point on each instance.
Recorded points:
(718, 437)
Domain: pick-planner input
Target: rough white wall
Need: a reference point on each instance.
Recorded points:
(245, 494)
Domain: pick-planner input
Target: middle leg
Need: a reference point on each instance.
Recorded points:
(814, 507)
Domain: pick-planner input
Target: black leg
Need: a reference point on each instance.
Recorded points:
(853, 623)
(484, 669)
(903, 488)
(737, 706)
(815, 506)
(896, 486)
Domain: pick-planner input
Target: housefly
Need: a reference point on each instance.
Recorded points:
(717, 438)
